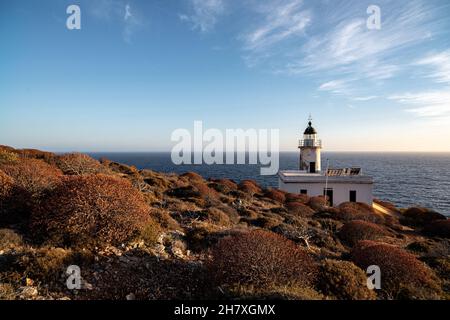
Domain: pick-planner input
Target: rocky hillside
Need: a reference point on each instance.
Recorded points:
(139, 234)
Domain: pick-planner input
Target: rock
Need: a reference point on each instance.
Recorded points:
(28, 292)
(131, 296)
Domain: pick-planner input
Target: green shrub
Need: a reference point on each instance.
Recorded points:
(419, 217)
(151, 232)
(7, 157)
(9, 239)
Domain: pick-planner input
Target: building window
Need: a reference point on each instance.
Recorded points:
(303, 191)
(352, 195)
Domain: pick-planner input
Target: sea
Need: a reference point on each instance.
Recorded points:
(405, 179)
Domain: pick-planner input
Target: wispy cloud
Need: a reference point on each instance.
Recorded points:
(204, 14)
(440, 65)
(426, 104)
(336, 86)
(131, 23)
(367, 98)
(281, 22)
(118, 11)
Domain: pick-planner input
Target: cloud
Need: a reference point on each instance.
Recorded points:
(426, 104)
(205, 14)
(281, 22)
(367, 98)
(440, 63)
(117, 11)
(336, 86)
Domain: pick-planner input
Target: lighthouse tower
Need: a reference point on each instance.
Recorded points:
(310, 150)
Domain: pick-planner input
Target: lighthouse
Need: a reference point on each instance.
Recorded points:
(339, 185)
(310, 150)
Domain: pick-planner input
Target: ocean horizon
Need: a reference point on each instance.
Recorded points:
(406, 179)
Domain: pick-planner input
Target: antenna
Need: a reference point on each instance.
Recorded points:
(326, 183)
(310, 118)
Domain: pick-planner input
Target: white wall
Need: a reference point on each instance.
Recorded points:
(308, 155)
(341, 191)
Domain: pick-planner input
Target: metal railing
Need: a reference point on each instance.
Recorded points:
(310, 143)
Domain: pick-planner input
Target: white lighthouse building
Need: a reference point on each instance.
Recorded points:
(340, 185)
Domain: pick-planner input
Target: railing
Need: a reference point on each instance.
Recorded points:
(310, 143)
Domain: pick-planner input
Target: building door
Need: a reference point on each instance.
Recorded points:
(329, 193)
(352, 195)
(312, 167)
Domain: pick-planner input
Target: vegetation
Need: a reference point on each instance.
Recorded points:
(91, 210)
(403, 275)
(260, 258)
(148, 235)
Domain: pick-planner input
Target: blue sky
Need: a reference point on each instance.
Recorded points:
(137, 70)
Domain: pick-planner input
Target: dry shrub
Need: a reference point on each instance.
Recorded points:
(78, 164)
(32, 175)
(344, 280)
(297, 197)
(7, 157)
(402, 274)
(164, 219)
(122, 168)
(91, 209)
(9, 239)
(439, 228)
(48, 263)
(204, 191)
(419, 217)
(200, 236)
(356, 230)
(249, 187)
(6, 187)
(217, 217)
(48, 157)
(358, 211)
(276, 195)
(260, 258)
(317, 203)
(298, 208)
(151, 232)
(267, 221)
(7, 292)
(227, 183)
(192, 176)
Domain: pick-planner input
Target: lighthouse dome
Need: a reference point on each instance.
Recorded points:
(310, 129)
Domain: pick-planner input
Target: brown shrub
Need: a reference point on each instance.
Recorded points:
(260, 258)
(267, 221)
(48, 157)
(344, 280)
(6, 186)
(192, 176)
(419, 217)
(249, 186)
(317, 203)
(7, 157)
(151, 232)
(402, 274)
(439, 228)
(230, 184)
(358, 211)
(9, 239)
(32, 175)
(217, 217)
(78, 164)
(298, 208)
(91, 209)
(356, 230)
(276, 195)
(297, 197)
